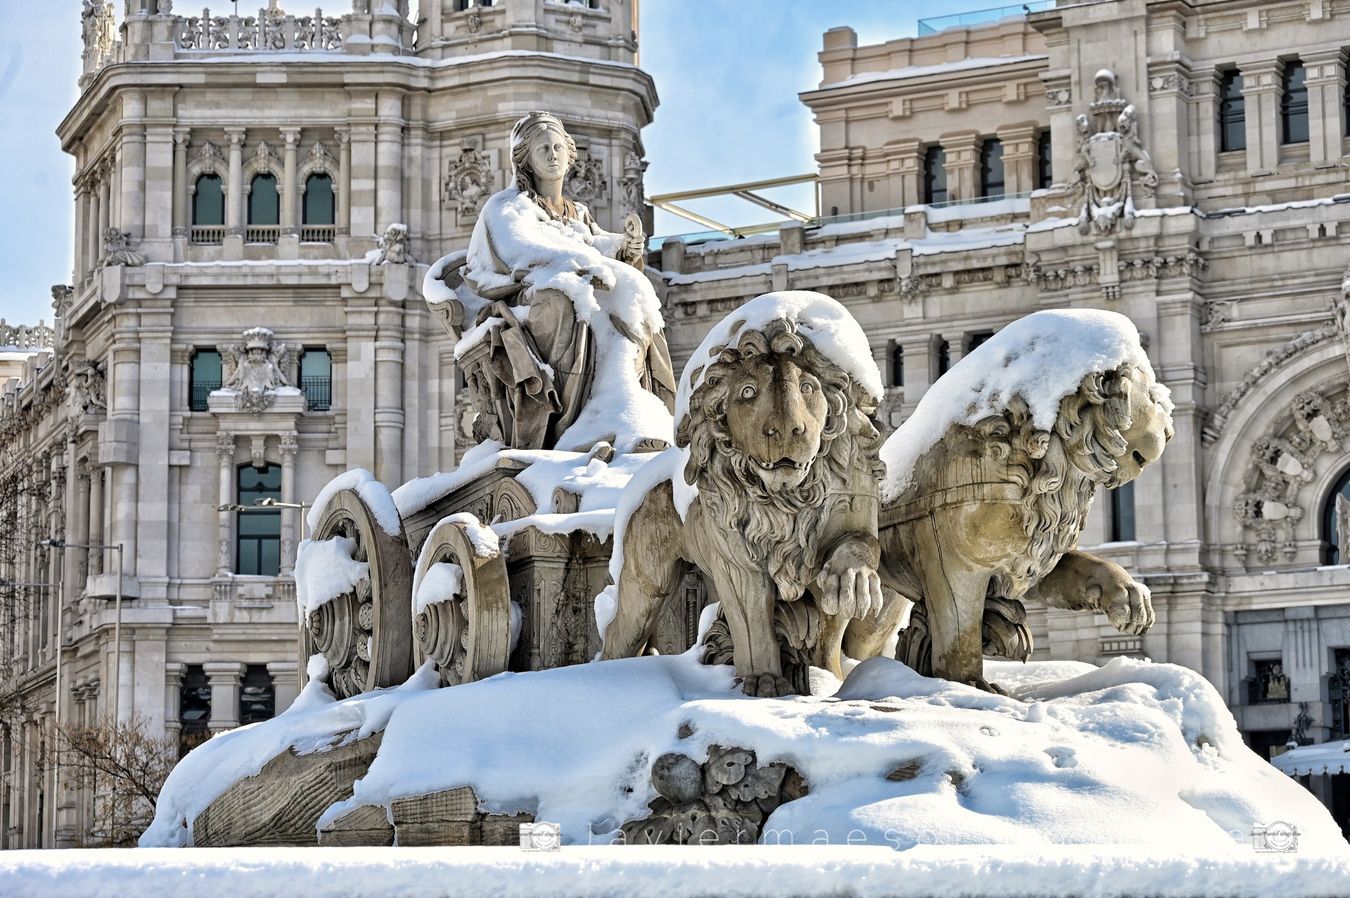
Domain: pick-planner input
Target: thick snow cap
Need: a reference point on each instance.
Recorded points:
(825, 322)
(1042, 358)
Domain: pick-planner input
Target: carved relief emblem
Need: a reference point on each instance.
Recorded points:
(1110, 161)
(255, 369)
(468, 181)
(586, 178)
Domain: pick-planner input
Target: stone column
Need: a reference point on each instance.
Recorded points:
(1326, 112)
(1261, 94)
(1204, 140)
(285, 684)
(1019, 158)
(290, 445)
(234, 196)
(131, 177)
(91, 218)
(224, 535)
(361, 199)
(389, 415)
(342, 214)
(919, 369)
(904, 166)
(81, 229)
(290, 191)
(956, 347)
(173, 693)
(95, 517)
(389, 160)
(962, 164)
(224, 677)
(82, 491)
(104, 210)
(181, 220)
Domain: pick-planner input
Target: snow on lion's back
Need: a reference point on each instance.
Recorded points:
(1042, 357)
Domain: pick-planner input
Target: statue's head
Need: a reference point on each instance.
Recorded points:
(540, 148)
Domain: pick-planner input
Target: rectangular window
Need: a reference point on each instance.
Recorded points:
(1122, 513)
(258, 546)
(203, 377)
(316, 378)
(934, 175)
(991, 169)
(944, 358)
(1269, 683)
(977, 339)
(194, 708)
(1339, 693)
(1044, 160)
(1232, 112)
(897, 366)
(1294, 104)
(257, 695)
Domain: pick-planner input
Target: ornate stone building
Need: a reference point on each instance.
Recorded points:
(1183, 163)
(257, 197)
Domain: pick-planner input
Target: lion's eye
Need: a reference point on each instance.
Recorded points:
(808, 387)
(749, 392)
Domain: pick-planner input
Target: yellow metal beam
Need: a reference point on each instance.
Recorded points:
(772, 206)
(810, 177)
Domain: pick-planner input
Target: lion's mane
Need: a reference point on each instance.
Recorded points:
(776, 530)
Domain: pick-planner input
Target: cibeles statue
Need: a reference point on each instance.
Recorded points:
(559, 333)
(1110, 161)
(255, 371)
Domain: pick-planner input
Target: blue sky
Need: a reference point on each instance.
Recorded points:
(727, 72)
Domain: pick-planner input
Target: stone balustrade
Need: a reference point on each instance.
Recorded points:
(26, 337)
(265, 31)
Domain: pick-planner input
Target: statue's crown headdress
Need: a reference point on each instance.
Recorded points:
(257, 338)
(529, 123)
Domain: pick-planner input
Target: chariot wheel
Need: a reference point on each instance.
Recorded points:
(364, 634)
(461, 603)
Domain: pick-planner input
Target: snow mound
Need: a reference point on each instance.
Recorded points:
(1042, 358)
(1131, 754)
(371, 491)
(324, 570)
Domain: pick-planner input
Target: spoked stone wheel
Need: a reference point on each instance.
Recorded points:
(465, 622)
(365, 634)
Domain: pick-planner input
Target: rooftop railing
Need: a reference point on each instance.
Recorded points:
(981, 16)
(268, 30)
(26, 337)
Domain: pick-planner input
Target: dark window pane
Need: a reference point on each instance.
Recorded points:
(934, 175)
(259, 532)
(1331, 535)
(318, 208)
(1044, 167)
(978, 339)
(203, 377)
(1232, 112)
(898, 366)
(208, 202)
(1122, 513)
(257, 695)
(991, 168)
(264, 207)
(316, 379)
(1294, 104)
(194, 707)
(944, 358)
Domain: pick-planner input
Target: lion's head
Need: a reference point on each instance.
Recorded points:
(773, 430)
(1106, 432)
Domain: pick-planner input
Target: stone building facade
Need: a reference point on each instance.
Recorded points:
(1182, 163)
(256, 200)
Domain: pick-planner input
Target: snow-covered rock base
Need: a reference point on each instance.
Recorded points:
(1131, 754)
(673, 872)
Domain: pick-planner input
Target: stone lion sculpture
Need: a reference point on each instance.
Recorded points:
(772, 492)
(988, 487)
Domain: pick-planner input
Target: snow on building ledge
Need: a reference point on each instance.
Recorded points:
(1330, 758)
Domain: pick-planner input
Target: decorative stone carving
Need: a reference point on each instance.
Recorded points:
(1343, 527)
(1063, 278)
(264, 158)
(782, 448)
(531, 374)
(393, 246)
(99, 27)
(23, 336)
(723, 801)
(586, 178)
(255, 369)
(1273, 360)
(117, 249)
(62, 296)
(1110, 159)
(474, 21)
(630, 185)
(86, 387)
(209, 158)
(468, 182)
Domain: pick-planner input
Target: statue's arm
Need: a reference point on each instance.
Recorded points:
(1083, 582)
(848, 583)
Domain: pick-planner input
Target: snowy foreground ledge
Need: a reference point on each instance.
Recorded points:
(669, 872)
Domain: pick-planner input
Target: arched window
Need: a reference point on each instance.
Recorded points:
(1232, 112)
(934, 175)
(991, 168)
(258, 546)
(1294, 103)
(318, 209)
(1331, 531)
(1044, 169)
(208, 201)
(264, 205)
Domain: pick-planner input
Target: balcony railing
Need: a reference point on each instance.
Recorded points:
(262, 233)
(201, 390)
(318, 393)
(268, 30)
(318, 233)
(981, 16)
(211, 235)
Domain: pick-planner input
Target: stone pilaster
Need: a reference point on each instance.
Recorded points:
(1261, 95)
(224, 534)
(389, 160)
(285, 684)
(290, 447)
(234, 196)
(131, 176)
(180, 189)
(224, 677)
(1326, 112)
(1019, 158)
(962, 164)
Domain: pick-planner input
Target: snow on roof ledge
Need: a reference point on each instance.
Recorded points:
(1325, 757)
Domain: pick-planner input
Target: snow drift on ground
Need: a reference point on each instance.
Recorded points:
(1133, 753)
(1041, 357)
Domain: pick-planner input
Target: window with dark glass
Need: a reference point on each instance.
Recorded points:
(316, 378)
(977, 339)
(1044, 160)
(944, 358)
(991, 168)
(897, 366)
(1122, 513)
(1339, 693)
(318, 208)
(194, 708)
(1331, 531)
(934, 175)
(1232, 112)
(203, 377)
(208, 201)
(257, 695)
(1269, 682)
(264, 205)
(258, 545)
(1294, 104)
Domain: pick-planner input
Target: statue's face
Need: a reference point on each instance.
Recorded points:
(776, 414)
(1149, 431)
(548, 154)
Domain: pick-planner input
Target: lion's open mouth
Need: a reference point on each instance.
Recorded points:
(782, 464)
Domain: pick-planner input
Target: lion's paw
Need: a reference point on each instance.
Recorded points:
(1128, 605)
(849, 590)
(766, 685)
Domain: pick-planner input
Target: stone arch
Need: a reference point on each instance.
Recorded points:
(206, 160)
(263, 161)
(318, 160)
